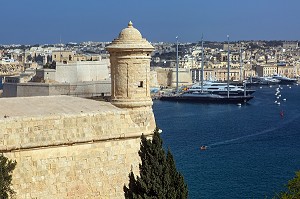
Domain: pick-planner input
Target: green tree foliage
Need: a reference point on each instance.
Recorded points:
(293, 189)
(177, 180)
(6, 169)
(158, 175)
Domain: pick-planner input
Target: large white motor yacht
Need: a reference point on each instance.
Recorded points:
(220, 88)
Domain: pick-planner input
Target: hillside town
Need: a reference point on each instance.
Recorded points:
(83, 69)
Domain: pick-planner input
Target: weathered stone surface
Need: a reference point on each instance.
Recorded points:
(130, 69)
(92, 170)
(68, 147)
(72, 147)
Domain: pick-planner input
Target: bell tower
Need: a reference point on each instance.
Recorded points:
(130, 75)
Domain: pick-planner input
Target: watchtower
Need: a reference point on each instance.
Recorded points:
(130, 75)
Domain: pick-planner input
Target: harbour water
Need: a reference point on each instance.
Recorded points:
(253, 149)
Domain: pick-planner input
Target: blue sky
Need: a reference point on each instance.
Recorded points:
(45, 21)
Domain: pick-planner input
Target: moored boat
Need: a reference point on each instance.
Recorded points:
(259, 81)
(201, 97)
(220, 88)
(284, 80)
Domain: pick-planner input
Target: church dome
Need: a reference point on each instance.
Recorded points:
(129, 38)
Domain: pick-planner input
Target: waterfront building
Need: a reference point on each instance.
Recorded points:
(266, 70)
(288, 71)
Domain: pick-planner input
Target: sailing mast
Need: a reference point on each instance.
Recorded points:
(202, 63)
(228, 67)
(241, 69)
(241, 63)
(176, 65)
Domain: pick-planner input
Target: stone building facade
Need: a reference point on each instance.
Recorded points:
(68, 147)
(62, 56)
(79, 78)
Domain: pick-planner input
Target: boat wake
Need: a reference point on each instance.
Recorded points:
(281, 124)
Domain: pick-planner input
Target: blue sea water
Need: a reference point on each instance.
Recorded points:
(252, 150)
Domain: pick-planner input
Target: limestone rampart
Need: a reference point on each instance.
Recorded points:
(68, 147)
(81, 89)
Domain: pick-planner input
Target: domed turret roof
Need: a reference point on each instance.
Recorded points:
(130, 33)
(130, 38)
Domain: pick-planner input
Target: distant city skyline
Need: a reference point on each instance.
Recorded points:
(48, 22)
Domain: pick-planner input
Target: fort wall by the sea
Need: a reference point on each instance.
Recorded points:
(70, 147)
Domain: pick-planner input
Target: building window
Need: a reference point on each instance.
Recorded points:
(141, 84)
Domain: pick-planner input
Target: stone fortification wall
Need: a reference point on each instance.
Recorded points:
(184, 77)
(81, 71)
(88, 89)
(91, 170)
(164, 76)
(167, 76)
(153, 79)
(82, 89)
(69, 147)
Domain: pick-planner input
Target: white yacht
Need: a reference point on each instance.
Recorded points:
(255, 81)
(220, 88)
(284, 80)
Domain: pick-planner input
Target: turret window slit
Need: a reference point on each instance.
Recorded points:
(140, 84)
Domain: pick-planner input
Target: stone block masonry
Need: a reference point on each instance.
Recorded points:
(90, 170)
(68, 147)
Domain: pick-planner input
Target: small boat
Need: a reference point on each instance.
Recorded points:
(281, 113)
(203, 147)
